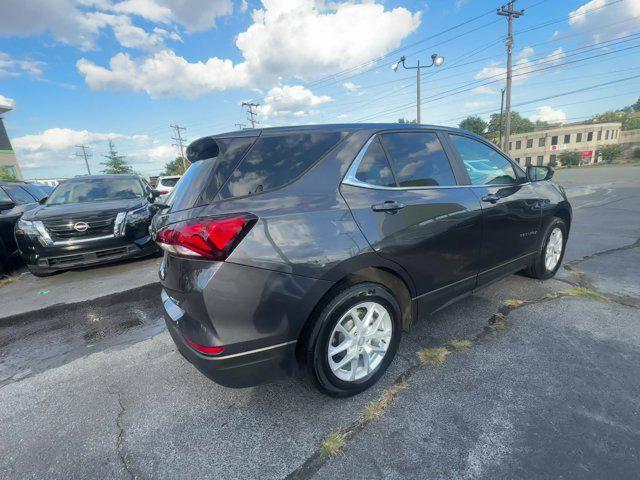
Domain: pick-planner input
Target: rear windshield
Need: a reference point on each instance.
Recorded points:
(277, 160)
(214, 159)
(96, 190)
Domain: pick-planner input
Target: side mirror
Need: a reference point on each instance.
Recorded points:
(539, 173)
(7, 205)
(43, 200)
(156, 207)
(153, 194)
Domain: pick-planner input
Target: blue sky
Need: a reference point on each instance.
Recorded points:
(85, 71)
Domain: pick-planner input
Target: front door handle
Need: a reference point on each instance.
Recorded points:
(388, 206)
(491, 198)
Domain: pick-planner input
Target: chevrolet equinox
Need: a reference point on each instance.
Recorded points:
(313, 248)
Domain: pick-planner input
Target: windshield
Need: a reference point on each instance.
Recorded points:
(96, 190)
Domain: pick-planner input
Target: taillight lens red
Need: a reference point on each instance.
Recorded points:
(163, 192)
(205, 238)
(204, 349)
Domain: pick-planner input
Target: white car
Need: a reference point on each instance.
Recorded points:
(165, 186)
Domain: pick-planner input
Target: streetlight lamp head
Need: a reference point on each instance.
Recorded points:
(394, 67)
(437, 59)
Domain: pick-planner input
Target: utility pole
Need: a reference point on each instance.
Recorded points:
(86, 155)
(508, 11)
(180, 143)
(241, 126)
(251, 113)
(436, 61)
(501, 113)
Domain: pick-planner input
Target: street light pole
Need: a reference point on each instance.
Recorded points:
(436, 61)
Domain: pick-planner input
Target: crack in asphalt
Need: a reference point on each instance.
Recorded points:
(120, 439)
(317, 459)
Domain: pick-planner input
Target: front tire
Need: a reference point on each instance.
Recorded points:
(354, 339)
(550, 255)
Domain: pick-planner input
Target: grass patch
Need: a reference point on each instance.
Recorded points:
(333, 443)
(433, 356)
(376, 408)
(6, 281)
(514, 303)
(585, 293)
(461, 345)
(497, 322)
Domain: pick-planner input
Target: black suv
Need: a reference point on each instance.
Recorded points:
(15, 199)
(88, 220)
(317, 246)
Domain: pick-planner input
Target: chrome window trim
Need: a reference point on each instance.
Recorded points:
(350, 177)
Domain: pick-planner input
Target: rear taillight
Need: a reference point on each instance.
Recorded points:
(205, 238)
(163, 192)
(204, 349)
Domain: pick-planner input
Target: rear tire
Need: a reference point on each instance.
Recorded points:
(354, 339)
(549, 257)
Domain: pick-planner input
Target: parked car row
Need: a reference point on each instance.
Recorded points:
(84, 221)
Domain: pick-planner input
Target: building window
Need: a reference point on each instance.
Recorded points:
(510, 145)
(599, 135)
(530, 143)
(518, 144)
(578, 137)
(589, 136)
(527, 161)
(540, 160)
(552, 160)
(518, 160)
(567, 138)
(606, 135)
(542, 141)
(554, 140)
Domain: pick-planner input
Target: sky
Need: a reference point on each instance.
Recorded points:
(89, 71)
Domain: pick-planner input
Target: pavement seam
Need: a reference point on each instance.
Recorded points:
(571, 263)
(120, 439)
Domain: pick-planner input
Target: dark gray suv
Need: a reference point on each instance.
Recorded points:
(316, 246)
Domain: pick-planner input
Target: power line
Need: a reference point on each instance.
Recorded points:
(86, 155)
(180, 142)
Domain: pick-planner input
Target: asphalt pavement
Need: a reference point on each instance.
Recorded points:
(548, 387)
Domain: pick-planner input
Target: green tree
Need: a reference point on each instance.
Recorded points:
(402, 120)
(175, 167)
(567, 159)
(519, 124)
(636, 106)
(611, 152)
(115, 163)
(631, 123)
(474, 124)
(636, 154)
(6, 174)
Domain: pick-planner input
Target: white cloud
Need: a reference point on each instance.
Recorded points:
(244, 6)
(548, 114)
(484, 90)
(526, 52)
(290, 101)
(292, 38)
(6, 101)
(158, 155)
(56, 146)
(127, 34)
(461, 3)
(163, 74)
(523, 69)
(350, 86)
(476, 105)
(11, 67)
(604, 20)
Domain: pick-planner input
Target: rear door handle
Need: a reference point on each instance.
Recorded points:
(388, 206)
(491, 198)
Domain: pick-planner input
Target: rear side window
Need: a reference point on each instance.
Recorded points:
(35, 191)
(277, 160)
(418, 159)
(484, 165)
(169, 182)
(19, 195)
(374, 168)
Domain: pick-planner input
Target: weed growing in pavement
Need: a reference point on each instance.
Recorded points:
(432, 356)
(376, 408)
(333, 443)
(461, 345)
(586, 293)
(514, 303)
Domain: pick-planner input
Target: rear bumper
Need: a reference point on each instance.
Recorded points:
(237, 370)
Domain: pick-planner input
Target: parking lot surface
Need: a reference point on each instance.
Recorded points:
(549, 386)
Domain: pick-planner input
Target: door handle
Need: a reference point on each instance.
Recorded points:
(491, 198)
(388, 206)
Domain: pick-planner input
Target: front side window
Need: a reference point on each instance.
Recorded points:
(19, 195)
(374, 168)
(277, 160)
(418, 159)
(36, 191)
(4, 198)
(96, 190)
(484, 165)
